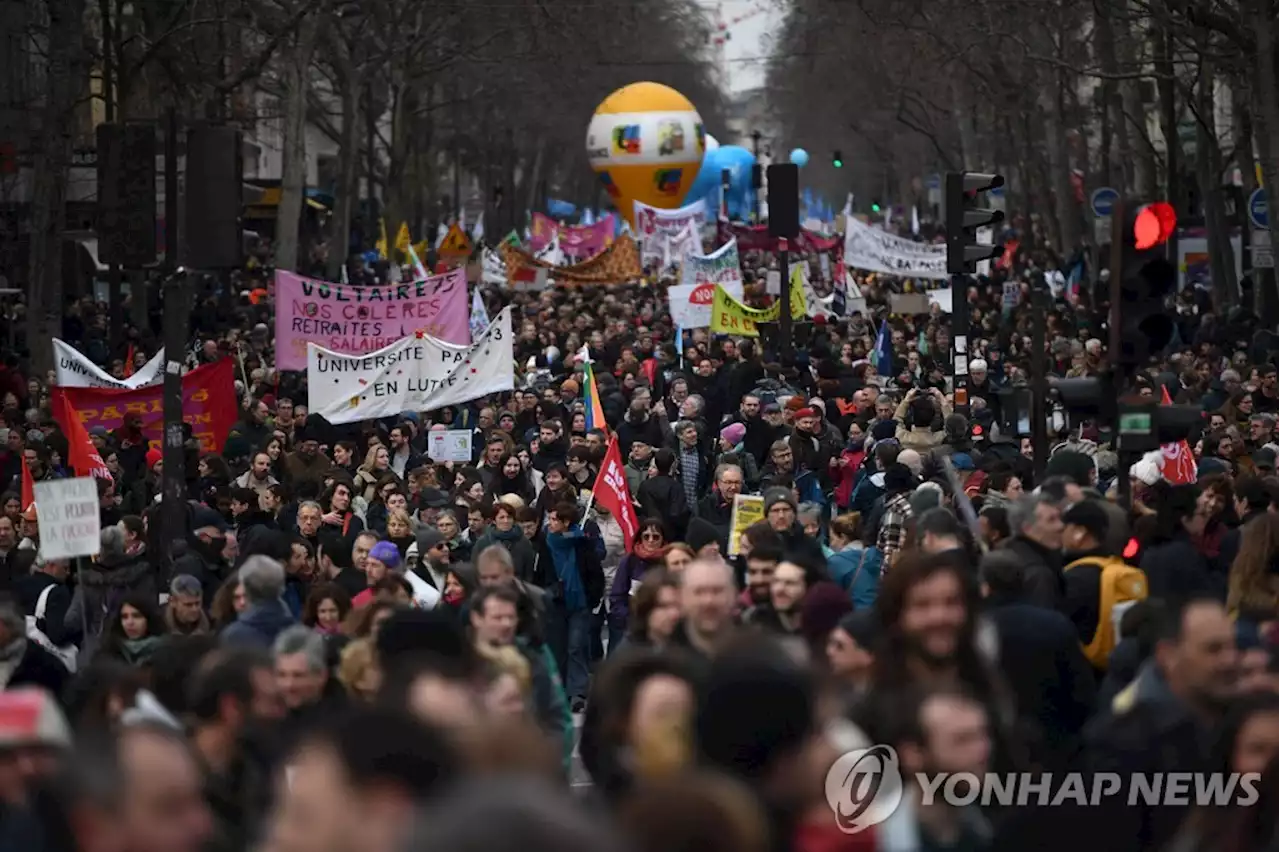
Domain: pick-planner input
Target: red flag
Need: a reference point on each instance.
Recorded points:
(82, 455)
(612, 493)
(1179, 464)
(128, 362)
(28, 486)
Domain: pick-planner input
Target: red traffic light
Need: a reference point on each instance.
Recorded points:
(1154, 225)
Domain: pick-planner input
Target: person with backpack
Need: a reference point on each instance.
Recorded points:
(1099, 585)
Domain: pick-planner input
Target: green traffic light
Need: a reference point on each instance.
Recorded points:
(875, 208)
(839, 164)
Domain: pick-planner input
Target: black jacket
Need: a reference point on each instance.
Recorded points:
(39, 668)
(1042, 573)
(589, 569)
(663, 497)
(1176, 571)
(104, 583)
(28, 590)
(1053, 682)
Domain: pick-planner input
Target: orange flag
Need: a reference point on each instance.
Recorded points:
(82, 455)
(28, 486)
(1179, 464)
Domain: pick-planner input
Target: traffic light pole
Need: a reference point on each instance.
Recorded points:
(960, 345)
(175, 325)
(1039, 381)
(1116, 274)
(785, 354)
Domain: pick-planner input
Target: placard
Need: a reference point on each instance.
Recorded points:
(747, 509)
(69, 522)
(449, 445)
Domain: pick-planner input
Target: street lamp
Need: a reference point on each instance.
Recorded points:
(755, 143)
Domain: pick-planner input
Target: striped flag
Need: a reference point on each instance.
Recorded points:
(591, 399)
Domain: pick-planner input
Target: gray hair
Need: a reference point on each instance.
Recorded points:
(262, 578)
(808, 511)
(300, 639)
(722, 469)
(698, 401)
(497, 553)
(1022, 512)
(112, 543)
(187, 586)
(685, 424)
(310, 504)
(1263, 417)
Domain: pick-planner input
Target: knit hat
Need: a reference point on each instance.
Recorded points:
(1072, 464)
(30, 717)
(774, 496)
(569, 385)
(795, 403)
(154, 457)
(807, 411)
(386, 553)
(821, 610)
(701, 533)
(1148, 470)
(734, 432)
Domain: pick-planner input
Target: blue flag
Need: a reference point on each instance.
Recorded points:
(882, 355)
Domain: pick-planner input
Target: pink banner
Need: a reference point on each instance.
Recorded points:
(575, 240)
(756, 238)
(352, 320)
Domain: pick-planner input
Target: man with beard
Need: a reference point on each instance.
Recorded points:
(204, 546)
(1164, 721)
(403, 458)
(781, 613)
(306, 463)
(258, 476)
(759, 565)
(235, 706)
(706, 606)
(551, 447)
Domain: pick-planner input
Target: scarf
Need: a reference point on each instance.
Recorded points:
(564, 555)
(507, 536)
(137, 651)
(647, 552)
(335, 630)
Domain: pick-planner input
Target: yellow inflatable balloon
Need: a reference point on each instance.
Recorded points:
(646, 143)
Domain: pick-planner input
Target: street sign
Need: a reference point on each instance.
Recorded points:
(1260, 250)
(1258, 212)
(1103, 201)
(69, 522)
(933, 182)
(455, 246)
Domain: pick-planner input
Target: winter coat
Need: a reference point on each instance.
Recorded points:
(258, 626)
(630, 571)
(103, 584)
(857, 570)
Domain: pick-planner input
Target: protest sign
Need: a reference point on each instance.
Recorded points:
(691, 305)
(449, 445)
(575, 240)
(208, 404)
(69, 522)
(874, 250)
(418, 373)
(729, 316)
(661, 231)
(74, 370)
(617, 264)
(349, 319)
(747, 509)
(722, 266)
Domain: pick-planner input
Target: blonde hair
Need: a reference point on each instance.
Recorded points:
(402, 516)
(357, 658)
(506, 660)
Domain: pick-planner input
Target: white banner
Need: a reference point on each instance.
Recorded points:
(660, 231)
(74, 370)
(413, 374)
(722, 266)
(69, 520)
(691, 304)
(873, 250)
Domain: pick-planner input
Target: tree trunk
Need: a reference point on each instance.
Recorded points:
(294, 180)
(1133, 140)
(1163, 62)
(347, 189)
(1209, 176)
(51, 168)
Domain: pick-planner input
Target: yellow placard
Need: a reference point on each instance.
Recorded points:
(456, 245)
(747, 509)
(729, 316)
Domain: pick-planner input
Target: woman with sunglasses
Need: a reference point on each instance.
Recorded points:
(647, 553)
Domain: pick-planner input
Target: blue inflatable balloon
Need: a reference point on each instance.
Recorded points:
(800, 157)
(738, 161)
(707, 182)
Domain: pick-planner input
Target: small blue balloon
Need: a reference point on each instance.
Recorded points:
(800, 157)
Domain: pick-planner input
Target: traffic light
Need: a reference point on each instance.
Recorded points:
(1147, 279)
(837, 159)
(964, 217)
(875, 206)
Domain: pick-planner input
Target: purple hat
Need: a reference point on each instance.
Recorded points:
(386, 553)
(734, 432)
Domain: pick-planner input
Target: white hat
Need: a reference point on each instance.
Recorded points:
(977, 365)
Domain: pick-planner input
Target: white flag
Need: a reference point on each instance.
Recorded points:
(477, 233)
(915, 221)
(479, 316)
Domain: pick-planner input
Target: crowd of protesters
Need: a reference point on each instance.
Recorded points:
(355, 647)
